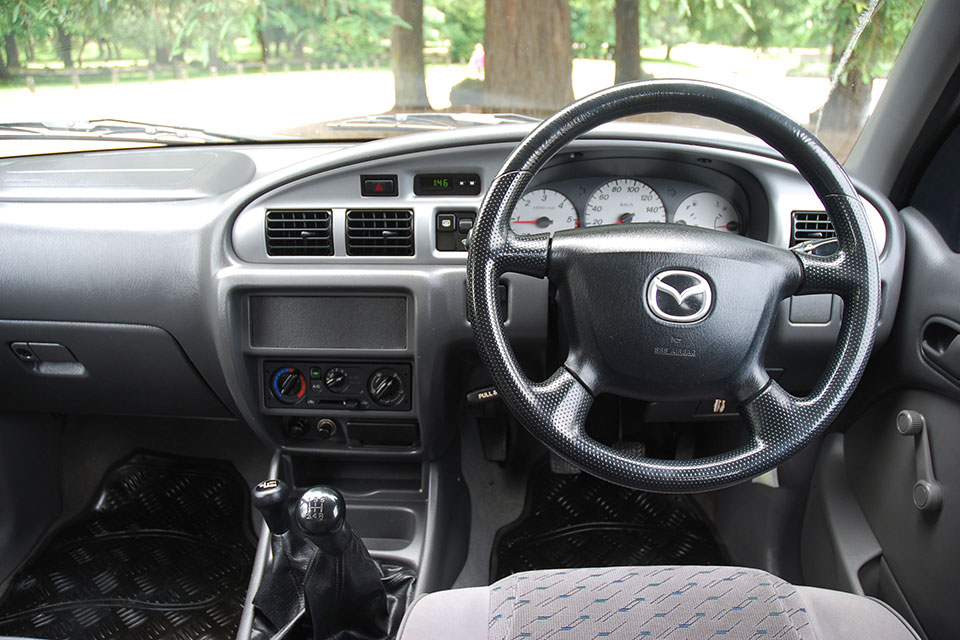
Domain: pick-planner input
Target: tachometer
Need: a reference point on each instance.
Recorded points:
(708, 210)
(543, 211)
(624, 201)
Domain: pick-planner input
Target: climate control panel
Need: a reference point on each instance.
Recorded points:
(333, 385)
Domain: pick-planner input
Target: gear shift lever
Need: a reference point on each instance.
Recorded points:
(321, 515)
(322, 573)
(270, 498)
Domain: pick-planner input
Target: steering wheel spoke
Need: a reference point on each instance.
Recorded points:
(825, 274)
(527, 255)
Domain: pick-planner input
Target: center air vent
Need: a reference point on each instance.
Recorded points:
(299, 233)
(811, 225)
(380, 233)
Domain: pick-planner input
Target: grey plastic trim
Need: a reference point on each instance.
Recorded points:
(837, 540)
(149, 175)
(339, 190)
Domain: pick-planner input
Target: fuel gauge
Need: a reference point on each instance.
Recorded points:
(710, 211)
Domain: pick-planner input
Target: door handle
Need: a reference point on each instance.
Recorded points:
(927, 492)
(940, 345)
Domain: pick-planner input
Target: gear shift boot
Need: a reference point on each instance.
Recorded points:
(322, 572)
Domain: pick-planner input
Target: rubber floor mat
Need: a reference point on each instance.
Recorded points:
(165, 551)
(579, 521)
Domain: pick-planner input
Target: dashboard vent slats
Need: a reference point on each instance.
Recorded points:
(811, 225)
(379, 232)
(299, 233)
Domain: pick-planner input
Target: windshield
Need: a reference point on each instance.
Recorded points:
(230, 70)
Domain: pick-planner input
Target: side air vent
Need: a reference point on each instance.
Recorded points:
(299, 233)
(811, 225)
(379, 233)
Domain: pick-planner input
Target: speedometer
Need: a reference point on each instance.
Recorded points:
(543, 210)
(623, 201)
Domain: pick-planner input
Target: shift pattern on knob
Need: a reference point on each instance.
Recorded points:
(321, 511)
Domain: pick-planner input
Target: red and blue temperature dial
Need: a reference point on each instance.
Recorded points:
(288, 385)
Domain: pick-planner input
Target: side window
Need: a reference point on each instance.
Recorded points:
(937, 195)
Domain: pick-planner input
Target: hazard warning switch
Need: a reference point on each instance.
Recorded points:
(378, 186)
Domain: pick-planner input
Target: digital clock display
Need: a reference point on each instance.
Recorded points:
(446, 184)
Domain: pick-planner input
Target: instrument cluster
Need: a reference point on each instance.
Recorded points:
(578, 203)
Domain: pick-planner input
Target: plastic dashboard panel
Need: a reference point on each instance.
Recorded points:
(187, 262)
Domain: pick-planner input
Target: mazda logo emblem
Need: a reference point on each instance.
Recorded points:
(677, 295)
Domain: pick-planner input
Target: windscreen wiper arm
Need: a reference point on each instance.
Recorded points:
(431, 120)
(118, 129)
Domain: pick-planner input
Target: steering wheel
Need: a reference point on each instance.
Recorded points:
(669, 312)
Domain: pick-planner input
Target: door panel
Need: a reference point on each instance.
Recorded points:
(862, 530)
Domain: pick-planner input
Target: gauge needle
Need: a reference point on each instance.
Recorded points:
(625, 218)
(542, 222)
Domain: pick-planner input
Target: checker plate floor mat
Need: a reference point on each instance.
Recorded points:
(165, 551)
(579, 521)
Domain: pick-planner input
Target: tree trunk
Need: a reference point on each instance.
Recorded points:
(666, 56)
(264, 45)
(83, 45)
(64, 47)
(213, 54)
(626, 55)
(4, 72)
(528, 59)
(846, 108)
(406, 57)
(10, 48)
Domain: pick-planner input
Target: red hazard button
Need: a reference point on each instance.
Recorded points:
(378, 186)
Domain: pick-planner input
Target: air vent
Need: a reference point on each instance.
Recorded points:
(380, 233)
(299, 233)
(811, 225)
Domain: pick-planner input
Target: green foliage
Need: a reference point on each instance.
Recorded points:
(881, 40)
(459, 21)
(592, 26)
(355, 30)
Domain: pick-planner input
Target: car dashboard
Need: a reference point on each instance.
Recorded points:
(316, 292)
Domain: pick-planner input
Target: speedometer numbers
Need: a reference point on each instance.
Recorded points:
(543, 211)
(710, 211)
(624, 201)
(620, 201)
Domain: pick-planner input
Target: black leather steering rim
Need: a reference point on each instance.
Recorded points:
(555, 410)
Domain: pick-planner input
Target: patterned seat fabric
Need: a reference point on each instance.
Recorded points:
(634, 603)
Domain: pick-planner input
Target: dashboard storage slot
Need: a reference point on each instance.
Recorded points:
(328, 322)
(299, 233)
(811, 225)
(386, 232)
(382, 434)
(353, 476)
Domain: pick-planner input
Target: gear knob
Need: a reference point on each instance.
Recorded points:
(321, 515)
(321, 511)
(270, 498)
